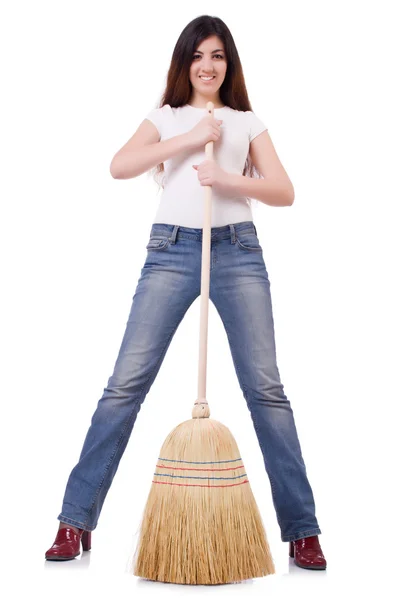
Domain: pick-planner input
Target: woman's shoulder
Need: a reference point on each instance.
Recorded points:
(163, 108)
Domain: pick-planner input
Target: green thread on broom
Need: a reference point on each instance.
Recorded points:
(196, 476)
(200, 486)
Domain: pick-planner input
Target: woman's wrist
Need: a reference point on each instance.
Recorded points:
(186, 141)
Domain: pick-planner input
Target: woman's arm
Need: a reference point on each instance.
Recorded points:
(268, 190)
(144, 151)
(276, 188)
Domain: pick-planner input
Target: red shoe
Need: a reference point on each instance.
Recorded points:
(307, 553)
(67, 544)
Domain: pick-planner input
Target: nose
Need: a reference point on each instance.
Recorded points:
(207, 67)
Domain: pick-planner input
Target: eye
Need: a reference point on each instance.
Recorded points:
(198, 56)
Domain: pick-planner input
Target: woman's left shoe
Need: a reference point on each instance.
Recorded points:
(307, 553)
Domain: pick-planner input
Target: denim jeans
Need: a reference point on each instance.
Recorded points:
(240, 290)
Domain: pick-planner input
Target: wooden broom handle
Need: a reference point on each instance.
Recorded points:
(201, 403)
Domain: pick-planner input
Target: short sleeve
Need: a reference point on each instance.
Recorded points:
(156, 117)
(256, 126)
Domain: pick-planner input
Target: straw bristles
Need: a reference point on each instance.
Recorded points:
(201, 523)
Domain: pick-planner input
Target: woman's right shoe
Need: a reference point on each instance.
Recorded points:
(307, 553)
(67, 544)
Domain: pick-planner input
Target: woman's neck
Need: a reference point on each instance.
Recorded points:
(202, 102)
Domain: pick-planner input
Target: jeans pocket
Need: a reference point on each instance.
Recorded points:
(248, 241)
(157, 243)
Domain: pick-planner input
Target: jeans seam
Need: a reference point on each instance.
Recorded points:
(246, 399)
(159, 247)
(244, 388)
(66, 519)
(247, 247)
(137, 401)
(301, 534)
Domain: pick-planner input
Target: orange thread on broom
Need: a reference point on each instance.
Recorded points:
(193, 485)
(192, 462)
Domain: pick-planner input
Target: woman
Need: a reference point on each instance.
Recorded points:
(205, 67)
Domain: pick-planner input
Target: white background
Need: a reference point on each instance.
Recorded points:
(77, 79)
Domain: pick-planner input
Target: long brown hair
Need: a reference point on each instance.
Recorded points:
(178, 89)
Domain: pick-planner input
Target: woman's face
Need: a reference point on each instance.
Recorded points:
(209, 59)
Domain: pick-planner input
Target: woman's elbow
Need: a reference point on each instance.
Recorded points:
(123, 167)
(113, 169)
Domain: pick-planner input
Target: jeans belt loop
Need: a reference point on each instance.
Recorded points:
(232, 234)
(174, 234)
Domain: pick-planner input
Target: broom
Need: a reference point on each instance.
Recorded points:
(201, 524)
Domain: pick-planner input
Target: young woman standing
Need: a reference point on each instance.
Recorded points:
(205, 66)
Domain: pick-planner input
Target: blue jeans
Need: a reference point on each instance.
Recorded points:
(240, 290)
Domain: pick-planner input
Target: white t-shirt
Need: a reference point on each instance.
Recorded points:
(182, 199)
